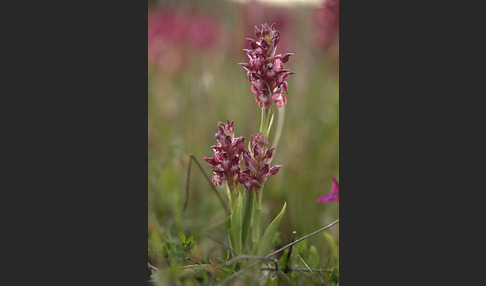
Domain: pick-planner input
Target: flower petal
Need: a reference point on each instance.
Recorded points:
(327, 198)
(274, 170)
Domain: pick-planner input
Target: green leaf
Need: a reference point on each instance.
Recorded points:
(282, 279)
(182, 238)
(271, 281)
(276, 239)
(231, 239)
(247, 213)
(189, 243)
(335, 275)
(257, 221)
(236, 224)
(313, 257)
(332, 244)
(165, 250)
(266, 242)
(190, 239)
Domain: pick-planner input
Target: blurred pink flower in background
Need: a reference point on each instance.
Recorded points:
(333, 196)
(326, 23)
(172, 33)
(254, 13)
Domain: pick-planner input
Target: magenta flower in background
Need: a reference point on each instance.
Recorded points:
(326, 21)
(227, 155)
(173, 33)
(254, 11)
(333, 196)
(257, 163)
(265, 69)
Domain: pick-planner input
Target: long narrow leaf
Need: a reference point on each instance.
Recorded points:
(247, 213)
(256, 217)
(266, 242)
(236, 224)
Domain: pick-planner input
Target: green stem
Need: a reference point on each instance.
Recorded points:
(228, 192)
(262, 119)
(281, 117)
(267, 119)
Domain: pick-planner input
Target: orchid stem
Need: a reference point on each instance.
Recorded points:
(228, 192)
(278, 133)
(262, 119)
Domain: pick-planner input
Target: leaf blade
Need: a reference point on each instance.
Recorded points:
(266, 241)
(236, 224)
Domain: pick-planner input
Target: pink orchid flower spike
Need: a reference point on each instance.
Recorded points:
(333, 196)
(265, 69)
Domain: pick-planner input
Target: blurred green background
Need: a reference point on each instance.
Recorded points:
(194, 81)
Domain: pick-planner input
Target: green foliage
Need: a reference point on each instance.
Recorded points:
(267, 239)
(177, 252)
(247, 216)
(332, 244)
(236, 224)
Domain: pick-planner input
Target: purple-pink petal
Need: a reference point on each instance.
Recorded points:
(333, 196)
(328, 198)
(227, 154)
(274, 170)
(217, 180)
(269, 153)
(264, 170)
(335, 186)
(264, 65)
(211, 161)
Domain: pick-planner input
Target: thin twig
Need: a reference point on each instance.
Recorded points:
(296, 269)
(309, 267)
(222, 243)
(240, 257)
(152, 267)
(300, 239)
(192, 157)
(287, 268)
(278, 133)
(193, 260)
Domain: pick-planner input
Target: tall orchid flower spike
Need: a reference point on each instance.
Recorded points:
(333, 196)
(265, 69)
(227, 155)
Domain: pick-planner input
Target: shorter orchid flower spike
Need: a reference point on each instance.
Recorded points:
(333, 196)
(227, 155)
(257, 163)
